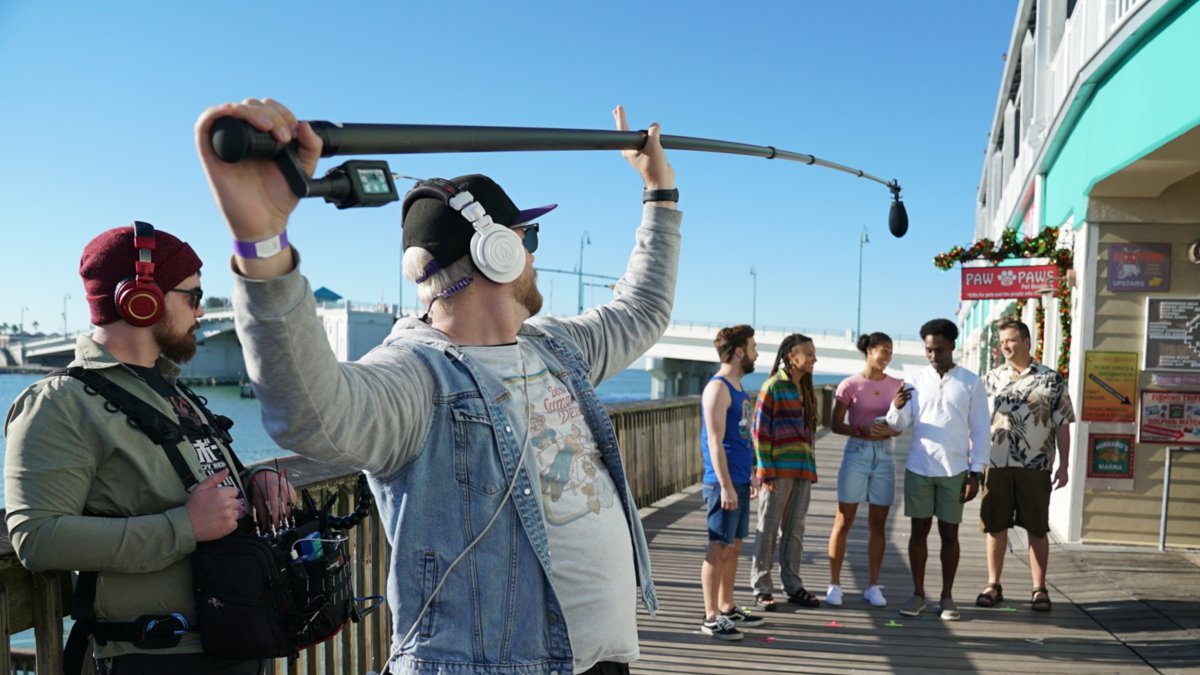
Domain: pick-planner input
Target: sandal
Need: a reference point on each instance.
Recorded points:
(986, 599)
(765, 602)
(804, 599)
(1041, 604)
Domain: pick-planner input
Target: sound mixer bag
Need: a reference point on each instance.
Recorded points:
(262, 598)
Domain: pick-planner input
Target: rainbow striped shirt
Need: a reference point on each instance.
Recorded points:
(783, 444)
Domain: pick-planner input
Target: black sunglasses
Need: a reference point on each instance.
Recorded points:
(196, 294)
(529, 235)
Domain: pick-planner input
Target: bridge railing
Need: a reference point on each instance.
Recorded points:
(660, 445)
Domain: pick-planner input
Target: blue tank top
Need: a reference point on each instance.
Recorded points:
(739, 452)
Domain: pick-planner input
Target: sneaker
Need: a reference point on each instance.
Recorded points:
(949, 610)
(721, 628)
(914, 606)
(741, 616)
(874, 595)
(833, 595)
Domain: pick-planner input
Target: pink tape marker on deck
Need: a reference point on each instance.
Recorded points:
(834, 624)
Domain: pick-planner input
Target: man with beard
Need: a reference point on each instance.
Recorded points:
(726, 410)
(492, 569)
(947, 408)
(86, 490)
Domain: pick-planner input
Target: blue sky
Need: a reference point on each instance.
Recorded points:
(100, 99)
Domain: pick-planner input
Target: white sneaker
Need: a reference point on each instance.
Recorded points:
(874, 595)
(833, 595)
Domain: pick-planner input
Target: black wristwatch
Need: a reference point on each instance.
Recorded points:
(671, 195)
(977, 475)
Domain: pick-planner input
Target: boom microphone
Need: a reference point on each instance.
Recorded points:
(234, 140)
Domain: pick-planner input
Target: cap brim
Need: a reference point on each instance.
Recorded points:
(530, 215)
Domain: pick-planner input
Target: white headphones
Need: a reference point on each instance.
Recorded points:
(496, 250)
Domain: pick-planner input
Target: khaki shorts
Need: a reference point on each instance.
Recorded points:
(929, 496)
(1016, 496)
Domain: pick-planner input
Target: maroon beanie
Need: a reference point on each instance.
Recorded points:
(110, 258)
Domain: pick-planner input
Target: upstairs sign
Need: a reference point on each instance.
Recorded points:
(986, 283)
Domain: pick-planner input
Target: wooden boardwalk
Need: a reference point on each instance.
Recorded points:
(1117, 610)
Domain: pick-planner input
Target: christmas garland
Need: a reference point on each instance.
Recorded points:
(1042, 245)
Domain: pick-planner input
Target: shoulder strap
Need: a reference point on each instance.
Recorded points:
(161, 429)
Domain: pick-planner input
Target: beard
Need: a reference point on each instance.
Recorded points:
(526, 292)
(178, 347)
(747, 366)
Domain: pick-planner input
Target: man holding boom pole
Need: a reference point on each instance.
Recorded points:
(510, 553)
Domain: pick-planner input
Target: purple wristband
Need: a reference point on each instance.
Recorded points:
(261, 249)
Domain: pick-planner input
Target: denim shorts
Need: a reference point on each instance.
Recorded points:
(726, 526)
(868, 473)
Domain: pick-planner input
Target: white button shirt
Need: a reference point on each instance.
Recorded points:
(951, 431)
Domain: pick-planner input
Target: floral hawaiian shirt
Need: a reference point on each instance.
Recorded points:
(1027, 407)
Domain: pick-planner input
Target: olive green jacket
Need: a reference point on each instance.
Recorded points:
(67, 455)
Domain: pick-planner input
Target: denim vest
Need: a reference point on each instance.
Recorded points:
(496, 611)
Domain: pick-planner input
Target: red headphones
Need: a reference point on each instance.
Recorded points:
(139, 300)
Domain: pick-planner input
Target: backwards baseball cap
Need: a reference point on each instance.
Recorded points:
(432, 224)
(110, 258)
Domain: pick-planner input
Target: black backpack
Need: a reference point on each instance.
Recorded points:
(257, 596)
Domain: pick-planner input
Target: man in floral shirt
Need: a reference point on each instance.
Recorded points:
(1031, 411)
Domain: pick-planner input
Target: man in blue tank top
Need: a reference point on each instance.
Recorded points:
(728, 462)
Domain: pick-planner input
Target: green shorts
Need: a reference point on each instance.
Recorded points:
(929, 496)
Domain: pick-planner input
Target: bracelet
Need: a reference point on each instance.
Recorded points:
(261, 249)
(671, 195)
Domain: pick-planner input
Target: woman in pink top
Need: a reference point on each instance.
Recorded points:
(867, 473)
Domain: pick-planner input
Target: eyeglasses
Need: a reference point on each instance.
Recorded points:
(196, 295)
(529, 235)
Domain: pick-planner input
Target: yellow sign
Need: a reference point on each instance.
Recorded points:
(1110, 386)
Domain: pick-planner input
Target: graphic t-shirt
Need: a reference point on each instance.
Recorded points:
(591, 552)
(208, 453)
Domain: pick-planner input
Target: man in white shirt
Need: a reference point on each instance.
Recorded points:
(947, 408)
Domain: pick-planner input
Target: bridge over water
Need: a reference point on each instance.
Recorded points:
(680, 362)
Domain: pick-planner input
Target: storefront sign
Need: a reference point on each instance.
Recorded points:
(1172, 334)
(1139, 267)
(1109, 386)
(1110, 456)
(1169, 417)
(1169, 380)
(983, 283)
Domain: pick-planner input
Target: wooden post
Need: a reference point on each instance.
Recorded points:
(47, 620)
(5, 651)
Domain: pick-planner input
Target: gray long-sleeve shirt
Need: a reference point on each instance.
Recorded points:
(372, 413)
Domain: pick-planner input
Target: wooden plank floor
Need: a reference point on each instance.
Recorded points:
(1117, 610)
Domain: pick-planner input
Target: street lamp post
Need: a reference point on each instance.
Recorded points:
(23, 308)
(66, 297)
(754, 297)
(863, 239)
(585, 239)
